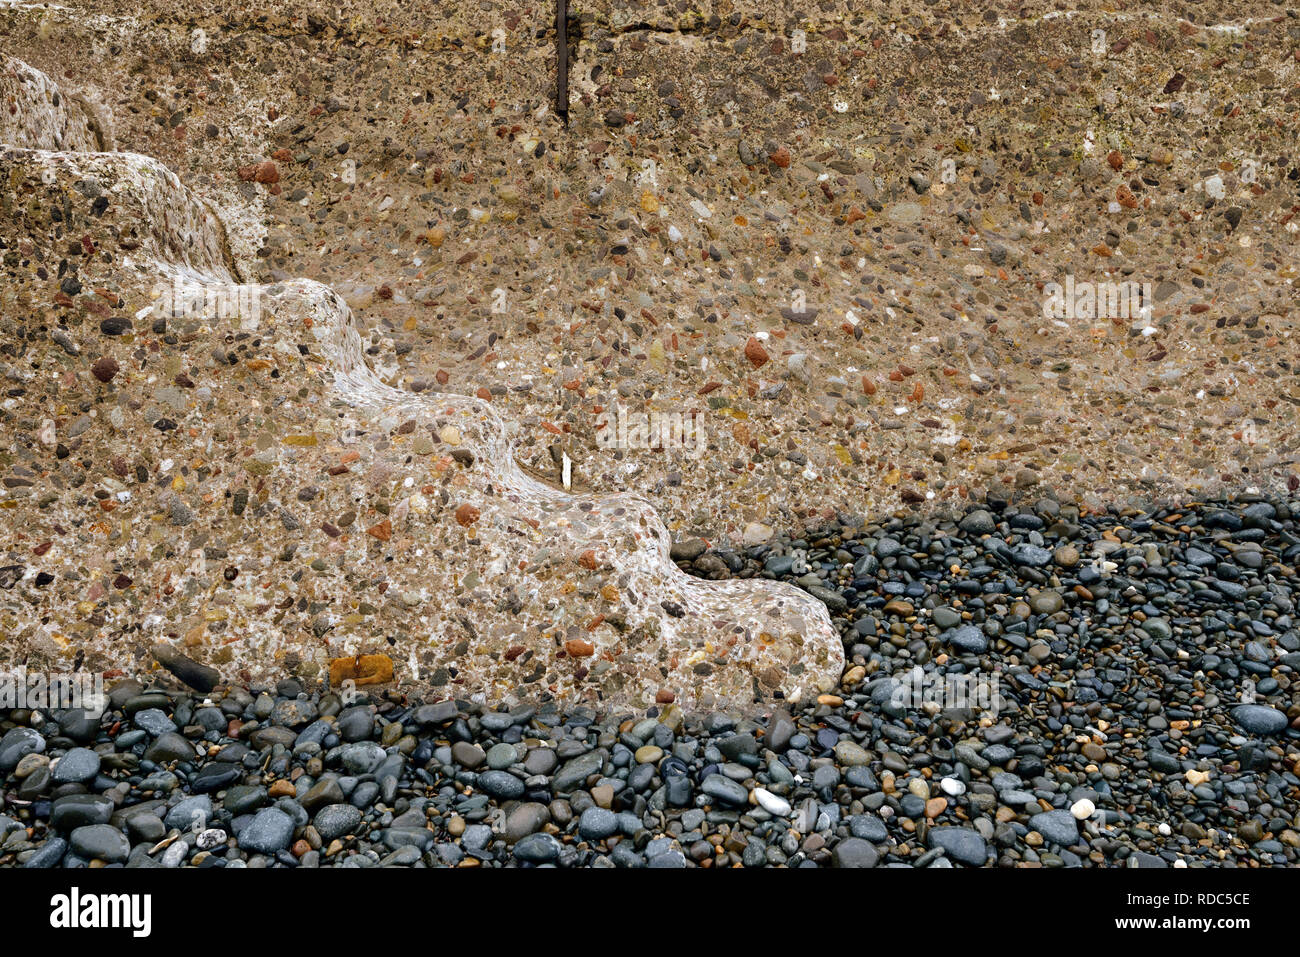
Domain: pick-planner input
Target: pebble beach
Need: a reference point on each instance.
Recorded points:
(1137, 710)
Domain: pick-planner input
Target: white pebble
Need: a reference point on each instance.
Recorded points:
(953, 787)
(1082, 809)
(771, 803)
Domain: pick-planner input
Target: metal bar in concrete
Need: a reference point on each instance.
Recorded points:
(562, 60)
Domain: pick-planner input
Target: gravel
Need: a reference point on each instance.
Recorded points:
(1140, 716)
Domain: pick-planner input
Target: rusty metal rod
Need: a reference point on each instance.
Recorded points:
(562, 60)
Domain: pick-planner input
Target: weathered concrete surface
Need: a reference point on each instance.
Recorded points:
(263, 500)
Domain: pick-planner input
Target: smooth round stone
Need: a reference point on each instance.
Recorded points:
(356, 723)
(953, 787)
(17, 744)
(212, 838)
(190, 813)
(678, 791)
(850, 754)
(525, 819)
(214, 777)
(854, 852)
(1046, 602)
(48, 854)
(968, 638)
(324, 792)
(496, 721)
(501, 785)
(540, 761)
(243, 798)
(35, 784)
(826, 776)
(597, 823)
(860, 777)
(961, 844)
(77, 810)
(946, 617)
(978, 522)
(1059, 827)
(641, 777)
(997, 754)
(439, 713)
(78, 765)
(468, 755)
(476, 837)
(888, 548)
(669, 860)
(501, 756)
(146, 827)
(1034, 556)
(269, 831)
(153, 721)
(336, 820)
(366, 793)
(169, 747)
(294, 714)
(827, 738)
(912, 805)
(537, 849)
(649, 754)
(1260, 719)
(316, 733)
(725, 790)
(100, 842)
(29, 763)
(361, 757)
(1067, 556)
(210, 719)
(868, 827)
(1157, 628)
(773, 804)
(1082, 809)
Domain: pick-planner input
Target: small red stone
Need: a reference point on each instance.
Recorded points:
(267, 172)
(577, 648)
(105, 368)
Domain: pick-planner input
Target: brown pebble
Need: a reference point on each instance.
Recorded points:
(361, 670)
(105, 368)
